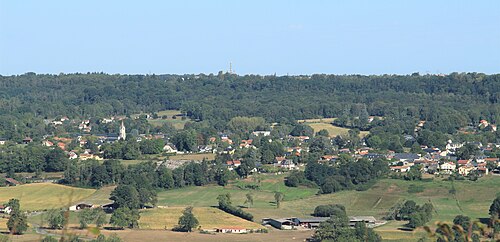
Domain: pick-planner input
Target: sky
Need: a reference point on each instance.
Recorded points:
(257, 37)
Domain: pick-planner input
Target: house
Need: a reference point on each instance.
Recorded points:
(400, 168)
(246, 143)
(310, 223)
(89, 156)
(226, 139)
(72, 155)
(409, 157)
(483, 124)
(373, 156)
(465, 170)
(79, 206)
(369, 221)
(169, 148)
(47, 143)
(61, 145)
(447, 167)
(233, 164)
(4, 209)
(232, 230)
(27, 140)
(11, 182)
(2, 141)
(261, 133)
(288, 164)
(453, 146)
(280, 223)
(463, 162)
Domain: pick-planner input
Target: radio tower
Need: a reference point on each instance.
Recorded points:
(230, 68)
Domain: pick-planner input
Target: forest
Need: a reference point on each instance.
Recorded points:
(445, 102)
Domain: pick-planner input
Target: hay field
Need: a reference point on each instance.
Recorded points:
(41, 196)
(209, 218)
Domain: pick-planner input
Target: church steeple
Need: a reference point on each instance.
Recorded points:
(123, 134)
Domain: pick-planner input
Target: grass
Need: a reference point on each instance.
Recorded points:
(184, 157)
(208, 217)
(206, 196)
(41, 196)
(326, 123)
(100, 197)
(177, 123)
(208, 156)
(474, 199)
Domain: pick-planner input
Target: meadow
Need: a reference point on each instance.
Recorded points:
(326, 123)
(42, 196)
(208, 217)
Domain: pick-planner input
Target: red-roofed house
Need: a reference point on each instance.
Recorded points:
(11, 182)
(463, 162)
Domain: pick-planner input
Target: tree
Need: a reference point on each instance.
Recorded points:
(187, 222)
(49, 239)
(249, 199)
(329, 210)
(85, 217)
(126, 196)
(125, 217)
(57, 219)
(18, 222)
(495, 207)
(278, 197)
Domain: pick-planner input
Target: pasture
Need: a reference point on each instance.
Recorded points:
(209, 218)
(326, 123)
(42, 196)
(177, 123)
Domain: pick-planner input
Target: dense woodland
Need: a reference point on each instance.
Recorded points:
(446, 102)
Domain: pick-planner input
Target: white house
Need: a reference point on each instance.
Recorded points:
(448, 167)
(233, 230)
(4, 209)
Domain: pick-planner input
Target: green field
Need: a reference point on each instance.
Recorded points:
(472, 199)
(177, 123)
(207, 195)
(41, 196)
(209, 218)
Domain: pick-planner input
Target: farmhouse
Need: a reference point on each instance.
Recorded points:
(447, 167)
(310, 223)
(369, 221)
(233, 230)
(280, 223)
(4, 209)
(11, 182)
(79, 206)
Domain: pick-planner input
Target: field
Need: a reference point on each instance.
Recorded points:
(185, 157)
(100, 197)
(207, 196)
(472, 199)
(209, 218)
(41, 196)
(208, 156)
(177, 123)
(325, 123)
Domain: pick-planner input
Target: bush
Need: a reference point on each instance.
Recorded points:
(328, 210)
(415, 188)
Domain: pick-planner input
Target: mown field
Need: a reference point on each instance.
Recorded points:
(326, 123)
(206, 196)
(41, 196)
(177, 123)
(209, 218)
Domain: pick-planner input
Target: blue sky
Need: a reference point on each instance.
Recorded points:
(260, 37)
